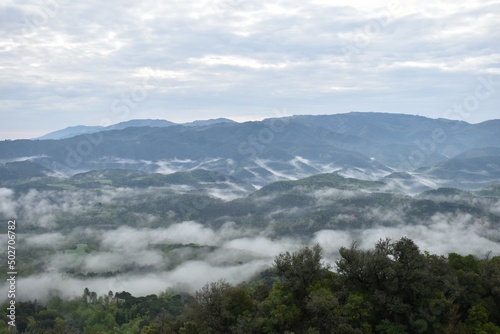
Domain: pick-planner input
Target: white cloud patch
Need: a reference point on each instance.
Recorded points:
(237, 61)
(442, 234)
(54, 240)
(113, 261)
(188, 277)
(262, 246)
(128, 238)
(8, 205)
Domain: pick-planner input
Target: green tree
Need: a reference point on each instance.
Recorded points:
(217, 307)
(477, 321)
(405, 287)
(303, 300)
(301, 269)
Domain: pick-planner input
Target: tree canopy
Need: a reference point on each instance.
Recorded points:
(390, 289)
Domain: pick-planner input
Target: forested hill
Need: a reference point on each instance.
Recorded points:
(391, 288)
(146, 208)
(364, 145)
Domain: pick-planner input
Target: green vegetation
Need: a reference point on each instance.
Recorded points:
(331, 180)
(305, 206)
(97, 179)
(64, 186)
(21, 170)
(392, 288)
(492, 190)
(79, 250)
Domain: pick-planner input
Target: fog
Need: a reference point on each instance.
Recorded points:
(326, 196)
(230, 192)
(188, 254)
(188, 277)
(8, 205)
(235, 259)
(442, 235)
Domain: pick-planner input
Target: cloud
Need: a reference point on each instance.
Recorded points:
(327, 196)
(54, 240)
(186, 255)
(128, 238)
(495, 208)
(190, 276)
(114, 261)
(442, 234)
(235, 254)
(40, 208)
(7, 204)
(262, 246)
(239, 59)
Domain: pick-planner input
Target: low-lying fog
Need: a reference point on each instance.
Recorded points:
(237, 255)
(185, 256)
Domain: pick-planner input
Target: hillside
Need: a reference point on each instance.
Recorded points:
(362, 145)
(73, 131)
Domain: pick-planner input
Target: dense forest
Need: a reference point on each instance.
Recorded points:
(392, 288)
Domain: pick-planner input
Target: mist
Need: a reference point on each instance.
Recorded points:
(442, 235)
(188, 277)
(228, 253)
(8, 205)
(232, 257)
(159, 252)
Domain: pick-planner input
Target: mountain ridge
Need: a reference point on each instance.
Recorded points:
(77, 130)
(363, 145)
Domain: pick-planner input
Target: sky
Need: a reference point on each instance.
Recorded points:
(66, 63)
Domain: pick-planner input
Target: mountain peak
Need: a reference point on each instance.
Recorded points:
(209, 122)
(77, 130)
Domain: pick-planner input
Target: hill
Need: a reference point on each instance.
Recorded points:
(73, 131)
(362, 145)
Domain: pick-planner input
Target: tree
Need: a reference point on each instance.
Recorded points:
(477, 321)
(303, 300)
(217, 307)
(405, 287)
(301, 269)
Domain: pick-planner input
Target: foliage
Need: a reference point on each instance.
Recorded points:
(393, 288)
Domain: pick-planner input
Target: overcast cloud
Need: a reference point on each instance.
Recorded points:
(65, 63)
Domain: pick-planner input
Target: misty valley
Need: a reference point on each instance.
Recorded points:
(350, 223)
(249, 167)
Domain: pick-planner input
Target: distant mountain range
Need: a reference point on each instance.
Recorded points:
(154, 123)
(412, 153)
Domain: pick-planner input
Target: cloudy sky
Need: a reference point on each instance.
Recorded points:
(65, 63)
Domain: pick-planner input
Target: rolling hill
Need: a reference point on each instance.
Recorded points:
(436, 152)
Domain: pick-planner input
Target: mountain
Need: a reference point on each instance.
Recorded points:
(73, 131)
(163, 206)
(470, 170)
(154, 123)
(362, 145)
(467, 170)
(409, 183)
(320, 181)
(209, 122)
(492, 190)
(405, 141)
(299, 208)
(22, 170)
